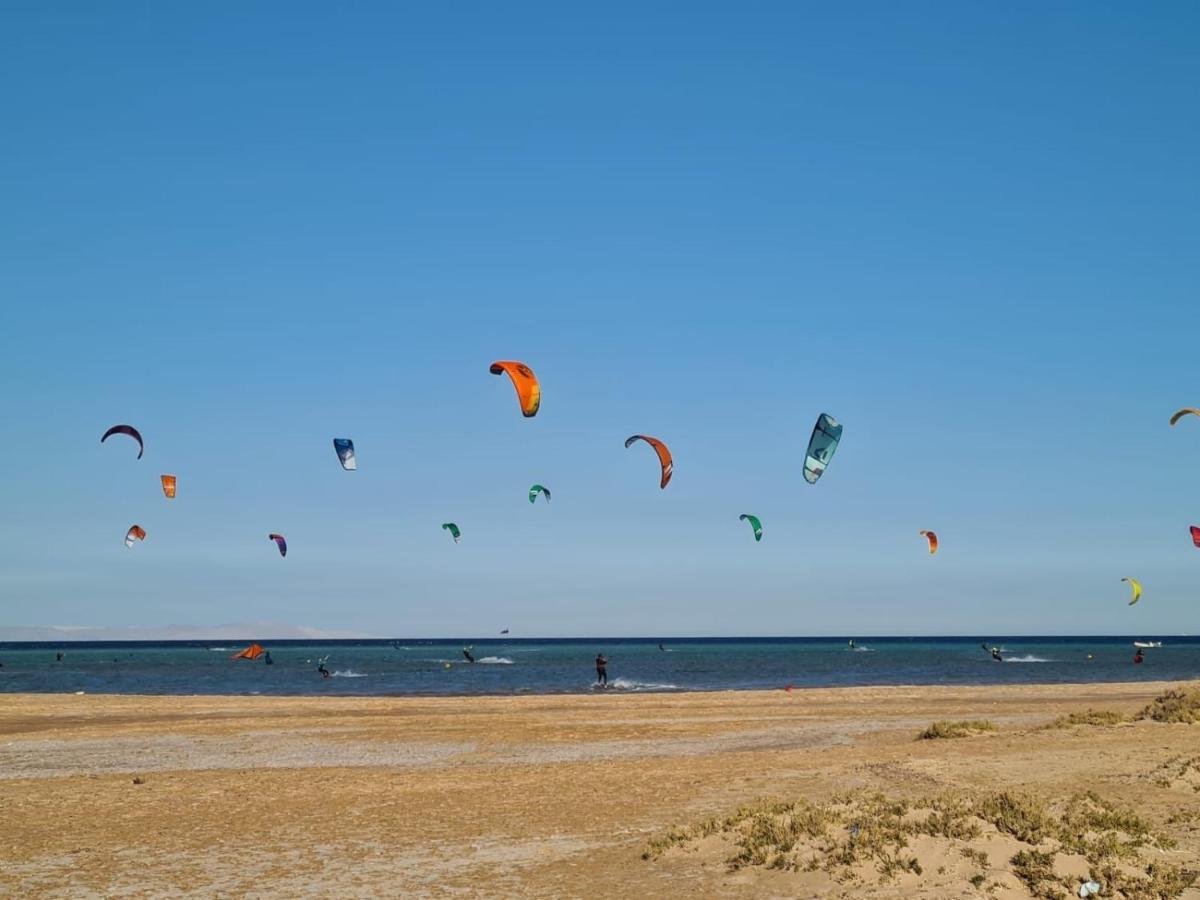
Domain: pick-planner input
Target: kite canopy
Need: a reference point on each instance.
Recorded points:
(135, 533)
(664, 455)
(129, 430)
(1186, 411)
(754, 523)
(1137, 589)
(168, 486)
(1195, 535)
(529, 392)
(821, 446)
(933, 541)
(453, 529)
(280, 542)
(254, 651)
(538, 489)
(344, 447)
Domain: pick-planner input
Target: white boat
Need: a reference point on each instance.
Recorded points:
(1147, 644)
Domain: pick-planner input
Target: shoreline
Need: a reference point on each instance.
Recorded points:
(613, 692)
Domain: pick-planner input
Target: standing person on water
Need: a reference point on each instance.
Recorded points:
(602, 669)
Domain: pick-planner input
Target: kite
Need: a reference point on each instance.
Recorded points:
(1195, 535)
(254, 651)
(129, 430)
(453, 529)
(538, 489)
(1186, 411)
(529, 392)
(664, 455)
(168, 486)
(756, 525)
(1137, 589)
(280, 542)
(135, 533)
(933, 542)
(344, 447)
(821, 446)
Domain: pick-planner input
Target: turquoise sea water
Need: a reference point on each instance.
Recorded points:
(567, 665)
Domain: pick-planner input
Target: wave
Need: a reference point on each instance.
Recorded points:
(495, 660)
(220, 649)
(1029, 658)
(862, 649)
(627, 684)
(349, 673)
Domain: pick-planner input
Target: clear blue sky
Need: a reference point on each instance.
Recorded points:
(968, 231)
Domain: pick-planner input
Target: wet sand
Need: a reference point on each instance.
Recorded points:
(547, 796)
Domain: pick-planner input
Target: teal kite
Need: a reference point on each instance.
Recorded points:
(754, 523)
(821, 446)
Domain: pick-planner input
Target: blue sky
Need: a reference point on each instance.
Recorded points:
(968, 231)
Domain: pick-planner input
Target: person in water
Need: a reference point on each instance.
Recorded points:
(661, 647)
(321, 668)
(267, 658)
(1139, 656)
(851, 643)
(602, 669)
(996, 654)
(58, 657)
(467, 654)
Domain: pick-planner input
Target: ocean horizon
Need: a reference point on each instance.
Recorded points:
(503, 665)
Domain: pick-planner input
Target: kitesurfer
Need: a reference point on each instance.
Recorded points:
(321, 668)
(851, 643)
(661, 647)
(267, 658)
(58, 657)
(996, 654)
(602, 669)
(467, 654)
(1138, 657)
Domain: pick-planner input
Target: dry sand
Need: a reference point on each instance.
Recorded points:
(552, 796)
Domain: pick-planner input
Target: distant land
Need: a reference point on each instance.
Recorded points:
(232, 631)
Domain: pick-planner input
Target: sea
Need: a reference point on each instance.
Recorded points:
(405, 667)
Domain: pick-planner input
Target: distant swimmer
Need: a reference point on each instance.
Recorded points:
(467, 653)
(1138, 657)
(602, 669)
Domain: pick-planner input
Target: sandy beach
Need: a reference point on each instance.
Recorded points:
(544, 796)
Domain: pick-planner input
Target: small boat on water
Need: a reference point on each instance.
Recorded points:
(1147, 644)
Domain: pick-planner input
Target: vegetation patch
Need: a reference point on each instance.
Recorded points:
(1093, 717)
(938, 842)
(959, 729)
(1176, 705)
